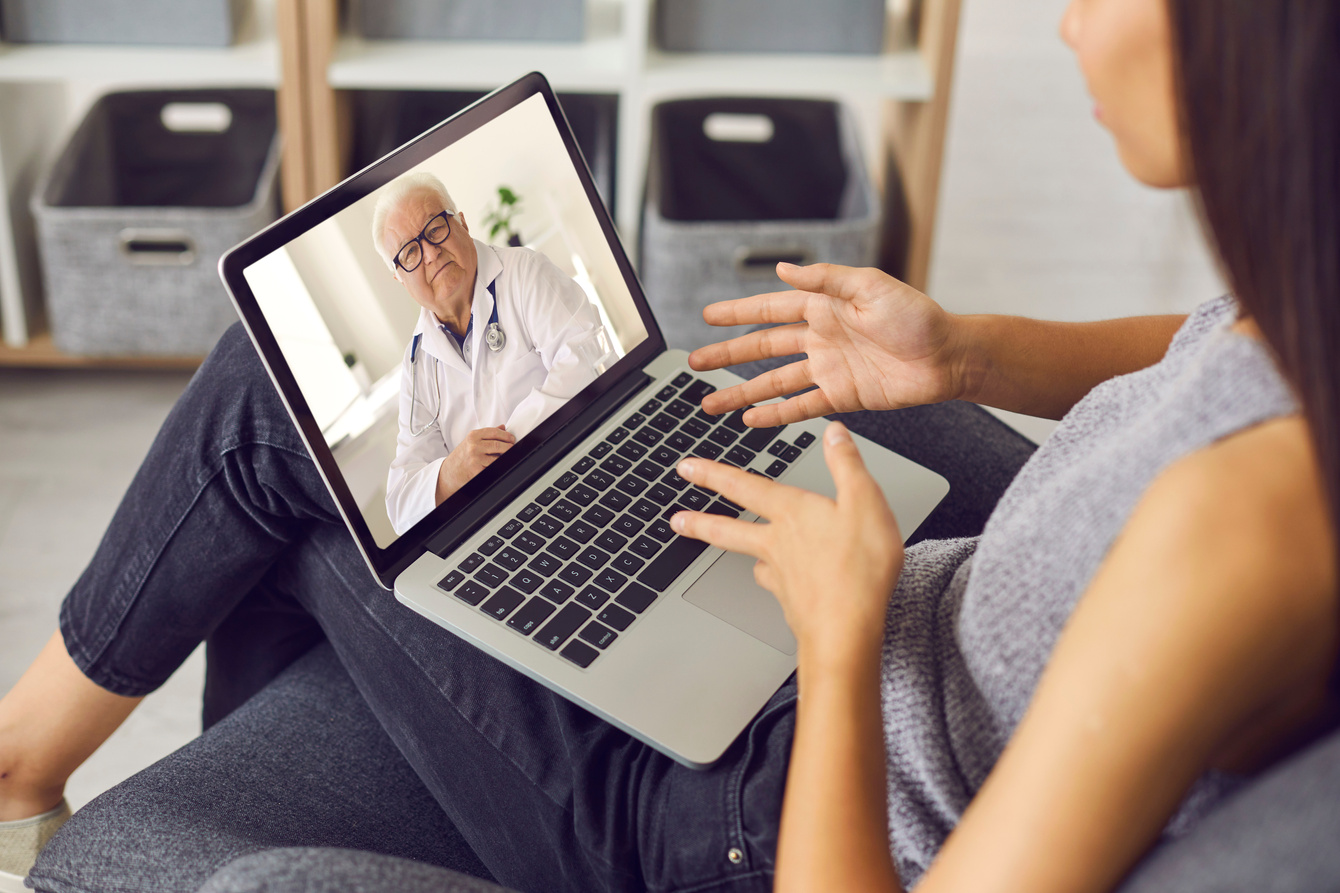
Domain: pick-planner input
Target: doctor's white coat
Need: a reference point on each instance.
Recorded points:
(544, 315)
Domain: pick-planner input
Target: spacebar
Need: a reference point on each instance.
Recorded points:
(671, 563)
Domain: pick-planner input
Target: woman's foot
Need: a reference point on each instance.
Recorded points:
(21, 841)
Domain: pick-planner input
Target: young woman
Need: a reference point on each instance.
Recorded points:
(1150, 614)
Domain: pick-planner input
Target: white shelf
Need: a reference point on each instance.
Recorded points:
(893, 75)
(252, 61)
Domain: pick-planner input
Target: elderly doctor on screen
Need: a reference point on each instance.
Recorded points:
(503, 339)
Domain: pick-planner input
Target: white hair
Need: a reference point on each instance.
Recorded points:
(397, 191)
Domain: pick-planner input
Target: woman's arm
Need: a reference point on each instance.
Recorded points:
(872, 342)
(1216, 603)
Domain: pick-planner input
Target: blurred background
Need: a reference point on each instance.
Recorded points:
(949, 141)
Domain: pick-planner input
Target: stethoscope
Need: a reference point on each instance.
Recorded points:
(494, 338)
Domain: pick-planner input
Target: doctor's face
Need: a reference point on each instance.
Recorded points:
(444, 281)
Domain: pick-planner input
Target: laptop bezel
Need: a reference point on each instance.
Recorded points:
(486, 493)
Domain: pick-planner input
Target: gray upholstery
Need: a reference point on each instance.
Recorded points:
(310, 870)
(302, 764)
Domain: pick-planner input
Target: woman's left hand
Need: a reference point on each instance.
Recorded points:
(831, 563)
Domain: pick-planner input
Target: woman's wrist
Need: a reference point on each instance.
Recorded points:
(969, 356)
(840, 655)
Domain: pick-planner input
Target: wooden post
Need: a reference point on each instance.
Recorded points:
(915, 133)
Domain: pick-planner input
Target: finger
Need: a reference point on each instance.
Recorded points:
(774, 383)
(493, 434)
(760, 495)
(776, 306)
(844, 460)
(778, 341)
(730, 534)
(809, 405)
(765, 576)
(833, 280)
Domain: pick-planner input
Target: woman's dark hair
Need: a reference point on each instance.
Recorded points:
(1259, 98)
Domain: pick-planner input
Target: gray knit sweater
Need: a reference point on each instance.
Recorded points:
(973, 621)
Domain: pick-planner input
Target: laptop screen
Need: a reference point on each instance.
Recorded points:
(465, 291)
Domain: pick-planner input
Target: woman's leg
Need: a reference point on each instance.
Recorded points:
(226, 487)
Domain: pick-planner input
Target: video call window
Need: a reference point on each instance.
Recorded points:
(475, 293)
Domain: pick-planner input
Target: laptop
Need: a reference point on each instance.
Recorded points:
(557, 558)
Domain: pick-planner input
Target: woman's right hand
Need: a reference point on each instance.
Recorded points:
(870, 342)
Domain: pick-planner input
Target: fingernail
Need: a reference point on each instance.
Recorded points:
(687, 467)
(677, 522)
(836, 433)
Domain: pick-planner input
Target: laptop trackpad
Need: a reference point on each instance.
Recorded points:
(728, 592)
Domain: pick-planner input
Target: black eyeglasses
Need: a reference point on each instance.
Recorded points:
(436, 231)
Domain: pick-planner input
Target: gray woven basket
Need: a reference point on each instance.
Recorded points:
(686, 265)
(170, 22)
(143, 280)
(777, 26)
(549, 20)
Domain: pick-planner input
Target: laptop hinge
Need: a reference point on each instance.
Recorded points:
(552, 450)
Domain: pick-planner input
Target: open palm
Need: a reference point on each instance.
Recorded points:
(870, 342)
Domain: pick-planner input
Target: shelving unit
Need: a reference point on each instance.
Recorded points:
(45, 90)
(296, 46)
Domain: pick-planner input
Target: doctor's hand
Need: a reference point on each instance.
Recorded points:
(831, 563)
(870, 342)
(480, 449)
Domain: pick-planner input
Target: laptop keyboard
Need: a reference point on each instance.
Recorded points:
(576, 567)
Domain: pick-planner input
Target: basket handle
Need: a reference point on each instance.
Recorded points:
(762, 262)
(157, 247)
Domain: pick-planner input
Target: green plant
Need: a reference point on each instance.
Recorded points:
(500, 215)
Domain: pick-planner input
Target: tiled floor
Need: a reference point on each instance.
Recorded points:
(1037, 218)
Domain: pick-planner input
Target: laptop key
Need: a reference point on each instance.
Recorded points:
(673, 480)
(611, 541)
(504, 602)
(679, 409)
(617, 435)
(528, 542)
(758, 438)
(510, 559)
(566, 622)
(664, 456)
(564, 509)
(580, 531)
(740, 456)
(776, 468)
(599, 450)
(671, 563)
(631, 451)
(597, 634)
(648, 437)
(649, 470)
(593, 597)
(580, 653)
(661, 494)
(804, 439)
(543, 564)
(548, 496)
(598, 480)
(778, 448)
(707, 450)
(526, 581)
(471, 592)
(557, 591)
(659, 529)
(679, 442)
(645, 509)
(564, 548)
(736, 420)
(451, 581)
(627, 526)
(566, 481)
(790, 454)
(695, 427)
(720, 508)
(529, 618)
(634, 421)
(682, 379)
(695, 392)
(694, 499)
(633, 485)
(628, 563)
(723, 436)
(491, 576)
(664, 423)
(546, 526)
(650, 406)
(611, 580)
(471, 564)
(645, 546)
(639, 598)
(511, 529)
(582, 494)
(593, 558)
(491, 545)
(598, 515)
(584, 464)
(529, 512)
(667, 393)
(615, 500)
(616, 617)
(574, 575)
(616, 465)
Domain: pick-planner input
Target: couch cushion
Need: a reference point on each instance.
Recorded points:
(302, 764)
(338, 871)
